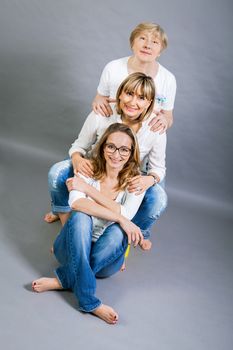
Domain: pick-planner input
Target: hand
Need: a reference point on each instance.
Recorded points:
(76, 183)
(159, 122)
(101, 105)
(132, 231)
(139, 184)
(82, 166)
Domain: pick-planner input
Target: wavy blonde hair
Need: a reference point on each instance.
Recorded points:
(141, 83)
(131, 167)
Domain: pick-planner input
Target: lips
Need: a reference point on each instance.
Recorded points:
(146, 53)
(131, 109)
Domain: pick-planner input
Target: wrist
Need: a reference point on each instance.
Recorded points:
(156, 179)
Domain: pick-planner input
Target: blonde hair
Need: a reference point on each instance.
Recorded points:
(156, 30)
(130, 169)
(138, 82)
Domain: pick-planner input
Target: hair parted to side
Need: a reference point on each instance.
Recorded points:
(154, 28)
(130, 169)
(143, 85)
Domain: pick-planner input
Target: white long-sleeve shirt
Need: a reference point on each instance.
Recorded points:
(152, 145)
(129, 205)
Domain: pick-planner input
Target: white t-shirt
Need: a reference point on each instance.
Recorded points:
(129, 202)
(152, 145)
(116, 71)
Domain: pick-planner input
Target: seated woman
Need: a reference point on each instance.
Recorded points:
(134, 105)
(93, 241)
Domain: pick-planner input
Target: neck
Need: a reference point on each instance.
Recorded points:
(133, 124)
(148, 68)
(111, 173)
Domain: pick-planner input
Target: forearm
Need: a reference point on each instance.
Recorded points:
(90, 207)
(102, 200)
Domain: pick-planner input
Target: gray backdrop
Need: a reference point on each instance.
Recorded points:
(51, 56)
(178, 296)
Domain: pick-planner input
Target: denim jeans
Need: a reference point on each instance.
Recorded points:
(152, 206)
(82, 260)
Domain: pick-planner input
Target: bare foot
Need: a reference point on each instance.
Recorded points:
(106, 313)
(146, 244)
(50, 217)
(44, 284)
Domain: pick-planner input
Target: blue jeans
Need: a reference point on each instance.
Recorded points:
(82, 260)
(152, 206)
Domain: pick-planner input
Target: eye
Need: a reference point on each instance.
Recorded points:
(142, 37)
(141, 97)
(129, 93)
(110, 146)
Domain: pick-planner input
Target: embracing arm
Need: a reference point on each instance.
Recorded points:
(90, 207)
(79, 184)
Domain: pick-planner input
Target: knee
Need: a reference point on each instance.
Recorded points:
(58, 174)
(157, 201)
(81, 221)
(115, 236)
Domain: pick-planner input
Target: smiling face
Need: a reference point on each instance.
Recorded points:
(116, 148)
(133, 104)
(147, 46)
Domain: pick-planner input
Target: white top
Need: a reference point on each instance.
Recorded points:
(152, 145)
(116, 71)
(129, 205)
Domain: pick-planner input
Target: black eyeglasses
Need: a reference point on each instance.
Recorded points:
(123, 150)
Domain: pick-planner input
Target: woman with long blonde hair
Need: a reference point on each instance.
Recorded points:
(93, 241)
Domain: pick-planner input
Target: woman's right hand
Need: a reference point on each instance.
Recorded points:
(132, 231)
(101, 105)
(82, 166)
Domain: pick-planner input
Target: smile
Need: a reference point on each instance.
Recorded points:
(146, 53)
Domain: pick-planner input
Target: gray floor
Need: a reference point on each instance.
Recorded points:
(177, 296)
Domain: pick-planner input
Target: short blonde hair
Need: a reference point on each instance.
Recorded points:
(138, 82)
(156, 29)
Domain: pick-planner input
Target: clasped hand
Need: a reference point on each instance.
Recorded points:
(139, 184)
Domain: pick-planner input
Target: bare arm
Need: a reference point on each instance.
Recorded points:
(76, 183)
(89, 207)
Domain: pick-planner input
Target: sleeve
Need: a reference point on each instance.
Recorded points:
(171, 93)
(104, 83)
(157, 156)
(74, 195)
(87, 136)
(131, 204)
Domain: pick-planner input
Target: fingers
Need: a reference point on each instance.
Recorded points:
(136, 185)
(85, 168)
(104, 109)
(111, 100)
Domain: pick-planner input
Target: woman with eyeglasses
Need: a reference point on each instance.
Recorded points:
(93, 241)
(134, 105)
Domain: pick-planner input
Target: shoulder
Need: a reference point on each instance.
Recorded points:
(89, 180)
(117, 63)
(164, 73)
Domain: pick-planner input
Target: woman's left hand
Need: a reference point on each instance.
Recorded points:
(139, 184)
(76, 183)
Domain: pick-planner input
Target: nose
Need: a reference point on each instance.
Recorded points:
(147, 44)
(134, 99)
